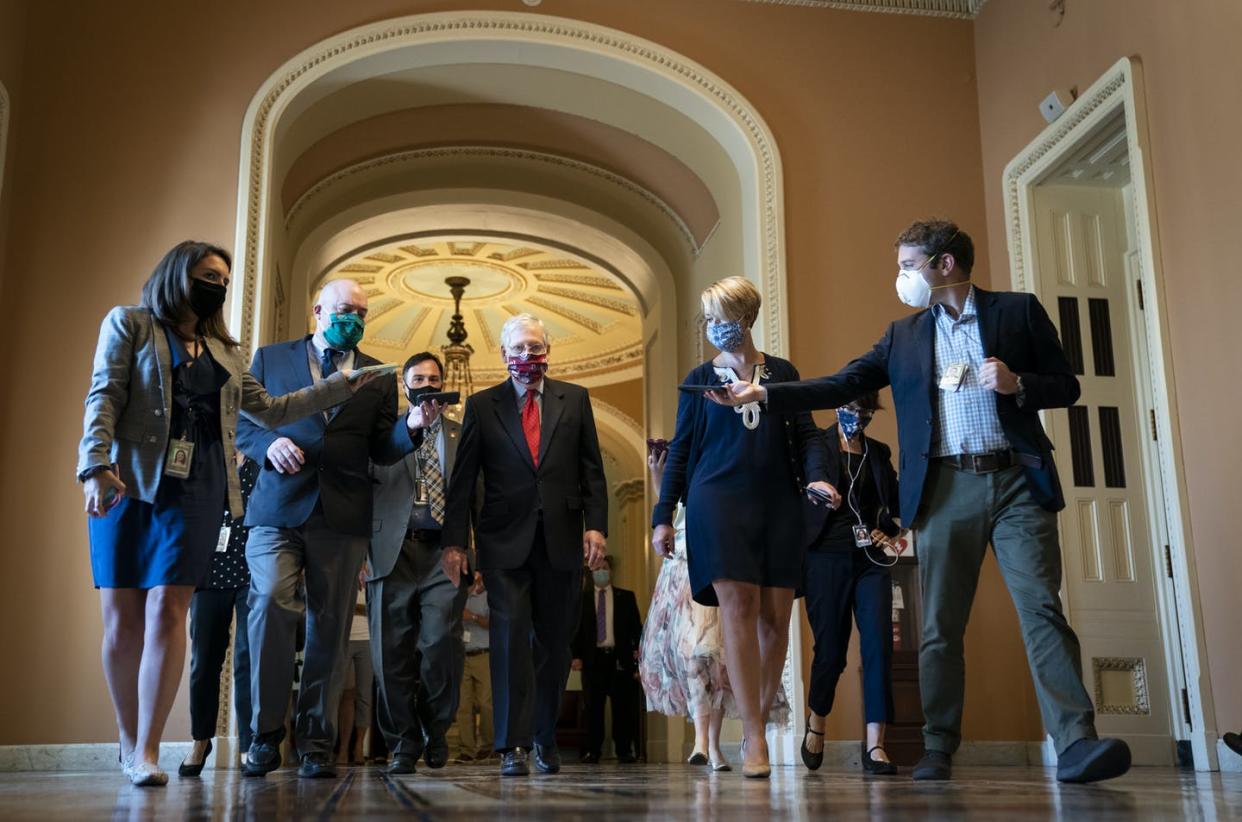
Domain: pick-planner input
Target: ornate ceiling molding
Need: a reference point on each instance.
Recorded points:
(955, 9)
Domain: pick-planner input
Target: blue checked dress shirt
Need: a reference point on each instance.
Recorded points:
(966, 419)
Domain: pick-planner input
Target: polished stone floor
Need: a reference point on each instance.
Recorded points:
(631, 792)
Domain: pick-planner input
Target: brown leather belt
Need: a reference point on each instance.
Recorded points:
(982, 463)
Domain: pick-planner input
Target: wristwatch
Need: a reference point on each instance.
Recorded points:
(86, 474)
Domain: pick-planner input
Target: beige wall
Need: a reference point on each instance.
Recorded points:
(1191, 68)
(131, 143)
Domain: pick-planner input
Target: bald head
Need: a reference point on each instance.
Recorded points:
(338, 297)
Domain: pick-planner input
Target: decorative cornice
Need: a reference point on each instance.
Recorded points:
(617, 415)
(625, 307)
(956, 9)
(256, 192)
(630, 490)
(414, 156)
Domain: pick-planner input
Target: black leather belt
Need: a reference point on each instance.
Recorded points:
(982, 463)
(424, 535)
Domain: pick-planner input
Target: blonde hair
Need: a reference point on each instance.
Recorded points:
(733, 298)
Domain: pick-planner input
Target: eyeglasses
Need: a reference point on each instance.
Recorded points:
(529, 349)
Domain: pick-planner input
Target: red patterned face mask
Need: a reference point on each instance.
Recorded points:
(528, 370)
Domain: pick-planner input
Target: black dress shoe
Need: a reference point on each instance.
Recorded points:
(547, 758)
(195, 770)
(514, 763)
(317, 766)
(934, 766)
(812, 759)
(877, 766)
(262, 758)
(1091, 760)
(590, 758)
(1233, 742)
(402, 764)
(437, 753)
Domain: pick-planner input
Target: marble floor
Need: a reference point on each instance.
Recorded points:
(625, 792)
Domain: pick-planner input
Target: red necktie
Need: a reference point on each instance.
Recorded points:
(530, 426)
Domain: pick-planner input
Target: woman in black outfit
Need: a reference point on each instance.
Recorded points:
(847, 570)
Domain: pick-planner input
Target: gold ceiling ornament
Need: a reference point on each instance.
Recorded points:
(457, 353)
(957, 9)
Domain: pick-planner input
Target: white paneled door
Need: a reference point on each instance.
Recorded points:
(1111, 572)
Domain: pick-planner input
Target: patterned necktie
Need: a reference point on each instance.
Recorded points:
(327, 363)
(429, 465)
(530, 425)
(601, 617)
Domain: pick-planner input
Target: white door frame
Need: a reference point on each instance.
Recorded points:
(1120, 89)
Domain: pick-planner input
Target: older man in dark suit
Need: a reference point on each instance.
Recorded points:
(544, 508)
(415, 610)
(970, 374)
(311, 512)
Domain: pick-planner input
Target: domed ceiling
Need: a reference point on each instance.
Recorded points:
(592, 318)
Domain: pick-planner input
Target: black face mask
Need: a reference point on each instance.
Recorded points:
(206, 298)
(412, 394)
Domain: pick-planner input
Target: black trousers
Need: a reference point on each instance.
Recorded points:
(533, 613)
(601, 680)
(839, 583)
(211, 614)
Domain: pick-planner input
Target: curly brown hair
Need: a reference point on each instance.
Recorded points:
(936, 237)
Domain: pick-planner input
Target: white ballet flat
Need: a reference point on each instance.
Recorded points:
(145, 774)
(721, 766)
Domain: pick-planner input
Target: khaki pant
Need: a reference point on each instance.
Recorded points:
(476, 695)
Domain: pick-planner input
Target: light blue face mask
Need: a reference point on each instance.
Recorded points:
(726, 336)
(344, 331)
(601, 577)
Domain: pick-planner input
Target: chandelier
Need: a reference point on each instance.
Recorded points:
(457, 353)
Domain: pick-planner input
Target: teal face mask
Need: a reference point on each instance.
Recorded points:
(344, 331)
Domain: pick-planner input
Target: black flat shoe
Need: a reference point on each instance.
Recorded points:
(547, 758)
(317, 766)
(935, 766)
(812, 760)
(514, 763)
(877, 766)
(1093, 760)
(402, 764)
(1233, 742)
(195, 770)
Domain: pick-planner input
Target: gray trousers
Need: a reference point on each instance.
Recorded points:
(331, 561)
(964, 512)
(416, 648)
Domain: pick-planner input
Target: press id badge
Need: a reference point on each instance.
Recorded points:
(862, 536)
(222, 542)
(951, 379)
(177, 461)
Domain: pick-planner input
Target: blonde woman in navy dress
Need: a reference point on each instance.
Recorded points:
(742, 473)
(161, 416)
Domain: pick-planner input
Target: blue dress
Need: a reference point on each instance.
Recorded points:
(171, 541)
(742, 487)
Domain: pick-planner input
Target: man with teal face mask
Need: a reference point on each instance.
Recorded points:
(606, 652)
(311, 510)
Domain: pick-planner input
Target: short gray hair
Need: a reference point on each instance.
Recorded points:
(520, 321)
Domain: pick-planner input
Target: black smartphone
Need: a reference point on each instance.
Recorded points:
(700, 389)
(442, 397)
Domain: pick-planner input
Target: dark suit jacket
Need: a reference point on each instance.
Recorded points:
(567, 489)
(394, 500)
(364, 427)
(1015, 329)
(880, 468)
(627, 628)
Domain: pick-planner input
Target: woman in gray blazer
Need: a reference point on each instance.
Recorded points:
(161, 418)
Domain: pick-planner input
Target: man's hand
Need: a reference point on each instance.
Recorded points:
(575, 665)
(834, 496)
(738, 393)
(285, 456)
(103, 491)
(454, 564)
(356, 380)
(995, 375)
(476, 587)
(593, 547)
(423, 414)
(662, 540)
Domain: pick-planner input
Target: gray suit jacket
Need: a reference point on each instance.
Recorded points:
(394, 500)
(128, 409)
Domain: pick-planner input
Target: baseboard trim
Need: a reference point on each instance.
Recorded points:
(101, 756)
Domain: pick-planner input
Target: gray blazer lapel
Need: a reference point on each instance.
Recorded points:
(553, 406)
(506, 409)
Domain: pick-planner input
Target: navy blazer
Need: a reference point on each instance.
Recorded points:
(880, 467)
(567, 491)
(337, 472)
(1015, 329)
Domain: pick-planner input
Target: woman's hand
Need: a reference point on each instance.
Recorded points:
(423, 414)
(825, 488)
(103, 491)
(662, 540)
